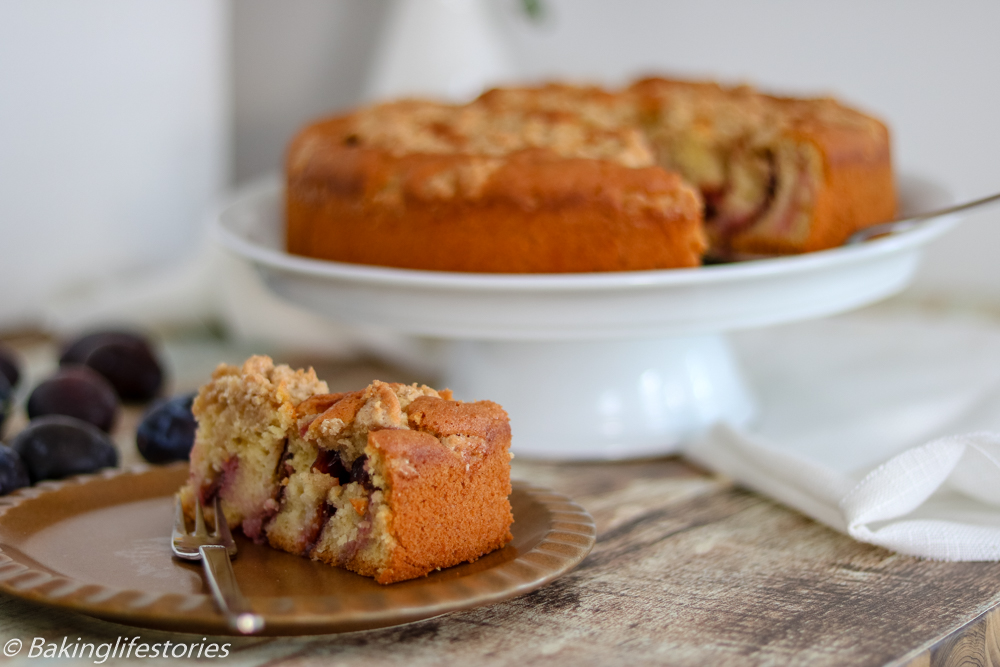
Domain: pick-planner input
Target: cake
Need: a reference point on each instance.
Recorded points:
(392, 481)
(563, 178)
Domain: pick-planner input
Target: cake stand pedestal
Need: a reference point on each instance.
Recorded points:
(604, 399)
(589, 366)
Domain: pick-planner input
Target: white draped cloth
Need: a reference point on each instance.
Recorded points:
(883, 424)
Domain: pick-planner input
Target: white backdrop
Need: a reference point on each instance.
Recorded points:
(120, 122)
(114, 138)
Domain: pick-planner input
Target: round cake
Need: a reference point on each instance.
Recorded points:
(562, 179)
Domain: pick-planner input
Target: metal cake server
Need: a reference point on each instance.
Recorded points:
(868, 233)
(909, 222)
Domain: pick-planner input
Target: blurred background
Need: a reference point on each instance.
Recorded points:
(123, 123)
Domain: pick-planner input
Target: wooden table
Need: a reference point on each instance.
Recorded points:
(688, 569)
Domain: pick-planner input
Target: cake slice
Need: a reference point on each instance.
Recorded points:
(244, 416)
(392, 481)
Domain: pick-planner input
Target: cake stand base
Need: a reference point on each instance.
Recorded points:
(599, 400)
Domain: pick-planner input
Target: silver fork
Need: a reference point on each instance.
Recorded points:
(214, 551)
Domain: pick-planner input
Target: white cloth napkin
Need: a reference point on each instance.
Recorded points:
(884, 425)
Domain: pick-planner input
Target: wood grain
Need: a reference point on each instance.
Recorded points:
(688, 570)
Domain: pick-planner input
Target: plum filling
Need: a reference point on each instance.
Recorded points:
(285, 467)
(208, 491)
(330, 462)
(353, 490)
(361, 540)
(712, 199)
(746, 197)
(342, 525)
(336, 510)
(359, 473)
(731, 219)
(225, 487)
(253, 527)
(801, 195)
(323, 514)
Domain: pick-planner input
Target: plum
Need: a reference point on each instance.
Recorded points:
(167, 430)
(13, 473)
(6, 398)
(76, 391)
(10, 366)
(124, 358)
(58, 446)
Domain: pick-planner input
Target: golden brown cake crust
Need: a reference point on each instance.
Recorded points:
(571, 179)
(856, 187)
(449, 494)
(442, 418)
(532, 213)
(445, 471)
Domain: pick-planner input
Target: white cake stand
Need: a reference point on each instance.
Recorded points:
(589, 366)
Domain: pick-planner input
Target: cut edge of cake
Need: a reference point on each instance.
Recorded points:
(244, 414)
(392, 481)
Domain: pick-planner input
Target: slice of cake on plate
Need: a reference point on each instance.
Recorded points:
(392, 481)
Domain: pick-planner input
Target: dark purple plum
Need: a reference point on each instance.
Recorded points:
(13, 473)
(57, 446)
(77, 349)
(131, 369)
(10, 366)
(167, 430)
(76, 391)
(6, 398)
(126, 359)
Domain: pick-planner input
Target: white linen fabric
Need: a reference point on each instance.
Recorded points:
(884, 424)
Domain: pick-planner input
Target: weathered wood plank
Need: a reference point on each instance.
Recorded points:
(766, 585)
(977, 644)
(688, 570)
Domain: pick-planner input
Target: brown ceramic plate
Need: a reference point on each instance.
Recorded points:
(99, 544)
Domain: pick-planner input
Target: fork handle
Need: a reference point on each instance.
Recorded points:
(225, 590)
